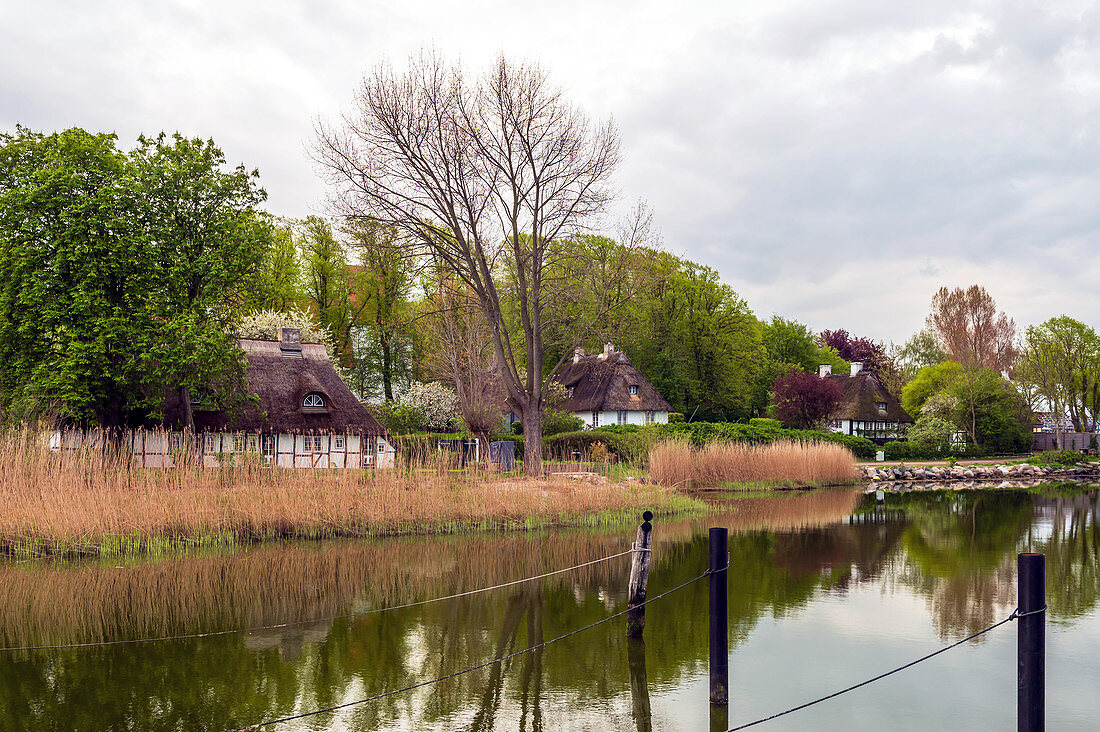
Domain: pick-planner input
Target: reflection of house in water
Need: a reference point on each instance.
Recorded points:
(289, 641)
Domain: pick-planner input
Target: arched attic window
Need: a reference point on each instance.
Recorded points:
(633, 388)
(313, 402)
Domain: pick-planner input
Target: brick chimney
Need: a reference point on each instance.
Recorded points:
(824, 370)
(290, 341)
(608, 349)
(578, 354)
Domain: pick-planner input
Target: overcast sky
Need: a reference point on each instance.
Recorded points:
(835, 161)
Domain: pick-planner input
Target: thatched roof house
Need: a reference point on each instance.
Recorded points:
(607, 389)
(868, 408)
(303, 414)
(298, 391)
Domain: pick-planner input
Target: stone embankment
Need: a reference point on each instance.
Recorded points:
(985, 473)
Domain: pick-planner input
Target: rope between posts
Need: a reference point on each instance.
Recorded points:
(315, 620)
(493, 662)
(1015, 614)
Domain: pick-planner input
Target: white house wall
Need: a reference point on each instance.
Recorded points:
(155, 449)
(609, 418)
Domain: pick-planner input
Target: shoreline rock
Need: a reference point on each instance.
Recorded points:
(986, 473)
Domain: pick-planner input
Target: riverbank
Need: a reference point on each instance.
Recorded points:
(90, 504)
(982, 472)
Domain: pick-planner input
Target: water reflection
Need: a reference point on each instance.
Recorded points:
(953, 551)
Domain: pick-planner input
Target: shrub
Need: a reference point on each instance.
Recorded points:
(436, 402)
(399, 419)
(627, 446)
(674, 417)
(1058, 457)
(766, 423)
(555, 422)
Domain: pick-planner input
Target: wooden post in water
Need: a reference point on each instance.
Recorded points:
(719, 612)
(639, 577)
(1031, 643)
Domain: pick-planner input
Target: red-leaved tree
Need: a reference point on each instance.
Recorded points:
(806, 401)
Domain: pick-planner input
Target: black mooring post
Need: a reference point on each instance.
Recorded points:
(1031, 644)
(719, 614)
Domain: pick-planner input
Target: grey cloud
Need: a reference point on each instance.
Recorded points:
(836, 161)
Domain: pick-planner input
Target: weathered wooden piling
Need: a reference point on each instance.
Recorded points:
(1031, 643)
(639, 577)
(719, 612)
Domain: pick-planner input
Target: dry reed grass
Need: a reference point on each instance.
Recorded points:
(86, 501)
(88, 601)
(677, 463)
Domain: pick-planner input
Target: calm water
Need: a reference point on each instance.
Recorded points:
(825, 589)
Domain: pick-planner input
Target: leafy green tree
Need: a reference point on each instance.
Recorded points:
(276, 283)
(206, 239)
(1061, 362)
(933, 432)
(75, 268)
(382, 285)
(919, 351)
(928, 381)
(122, 273)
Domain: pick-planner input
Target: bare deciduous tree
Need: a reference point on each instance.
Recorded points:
(460, 349)
(488, 177)
(973, 333)
(968, 327)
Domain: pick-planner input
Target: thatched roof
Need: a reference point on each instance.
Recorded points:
(862, 394)
(281, 379)
(603, 383)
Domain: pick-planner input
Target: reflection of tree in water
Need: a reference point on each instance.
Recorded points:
(1073, 553)
(960, 553)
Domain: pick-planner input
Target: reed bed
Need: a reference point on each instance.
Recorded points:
(734, 464)
(94, 502)
(88, 601)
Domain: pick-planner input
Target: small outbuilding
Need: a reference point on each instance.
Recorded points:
(607, 389)
(868, 409)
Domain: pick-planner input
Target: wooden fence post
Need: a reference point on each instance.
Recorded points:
(639, 577)
(719, 612)
(1031, 643)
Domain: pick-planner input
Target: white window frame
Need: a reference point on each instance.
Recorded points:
(633, 388)
(338, 443)
(238, 443)
(622, 416)
(208, 442)
(175, 440)
(313, 396)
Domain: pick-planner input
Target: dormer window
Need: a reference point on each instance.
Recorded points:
(571, 391)
(313, 400)
(881, 407)
(633, 389)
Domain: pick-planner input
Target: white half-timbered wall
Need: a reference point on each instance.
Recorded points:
(154, 449)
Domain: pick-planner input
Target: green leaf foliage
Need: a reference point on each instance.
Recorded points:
(121, 273)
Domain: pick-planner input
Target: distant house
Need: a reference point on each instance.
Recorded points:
(606, 389)
(868, 409)
(303, 416)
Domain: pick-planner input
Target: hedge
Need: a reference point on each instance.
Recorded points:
(632, 442)
(898, 450)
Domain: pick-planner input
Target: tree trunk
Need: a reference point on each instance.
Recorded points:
(532, 441)
(387, 371)
(185, 409)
